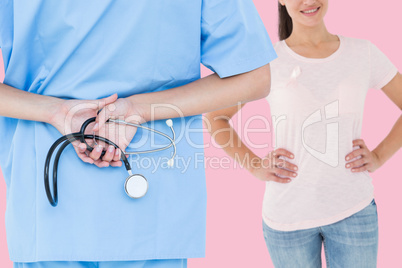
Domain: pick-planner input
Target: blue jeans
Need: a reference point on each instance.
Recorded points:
(351, 242)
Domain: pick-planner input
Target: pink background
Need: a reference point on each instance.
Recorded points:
(234, 231)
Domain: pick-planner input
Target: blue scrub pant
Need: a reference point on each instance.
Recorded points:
(169, 263)
(351, 242)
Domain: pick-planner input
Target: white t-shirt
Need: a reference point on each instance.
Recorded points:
(317, 108)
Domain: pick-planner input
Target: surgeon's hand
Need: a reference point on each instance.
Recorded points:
(268, 168)
(121, 109)
(69, 117)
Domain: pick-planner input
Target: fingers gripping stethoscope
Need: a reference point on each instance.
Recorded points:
(135, 186)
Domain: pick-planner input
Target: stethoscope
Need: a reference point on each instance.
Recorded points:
(135, 186)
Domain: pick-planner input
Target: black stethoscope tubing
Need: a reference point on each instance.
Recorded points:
(67, 139)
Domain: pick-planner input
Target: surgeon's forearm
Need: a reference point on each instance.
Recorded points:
(20, 104)
(204, 95)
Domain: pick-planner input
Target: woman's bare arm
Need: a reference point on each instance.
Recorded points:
(393, 141)
(372, 160)
(265, 169)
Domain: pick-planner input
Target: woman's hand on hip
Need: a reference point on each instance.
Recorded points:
(269, 167)
(366, 159)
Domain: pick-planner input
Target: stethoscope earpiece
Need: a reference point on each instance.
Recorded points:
(170, 162)
(169, 122)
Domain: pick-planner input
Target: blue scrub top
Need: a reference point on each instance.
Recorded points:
(92, 49)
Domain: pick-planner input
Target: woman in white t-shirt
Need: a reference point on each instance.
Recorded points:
(318, 187)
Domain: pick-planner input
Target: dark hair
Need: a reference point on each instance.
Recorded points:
(285, 24)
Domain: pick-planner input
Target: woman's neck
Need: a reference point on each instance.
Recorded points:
(309, 36)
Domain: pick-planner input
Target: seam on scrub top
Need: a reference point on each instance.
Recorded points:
(156, 62)
(36, 193)
(43, 69)
(157, 53)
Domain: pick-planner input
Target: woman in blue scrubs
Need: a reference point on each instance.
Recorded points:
(64, 61)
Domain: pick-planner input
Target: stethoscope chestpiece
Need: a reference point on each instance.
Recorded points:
(136, 186)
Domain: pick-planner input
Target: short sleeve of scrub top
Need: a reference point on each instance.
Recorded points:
(233, 39)
(91, 49)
